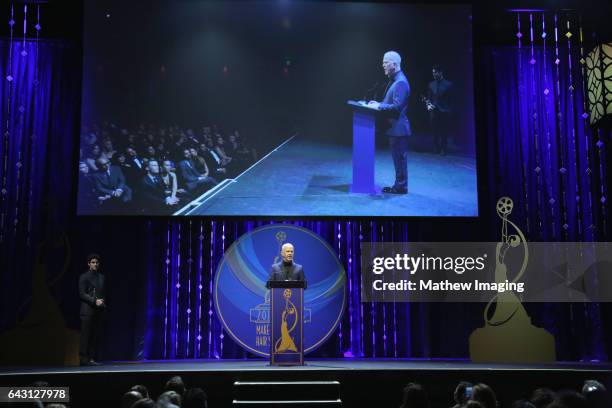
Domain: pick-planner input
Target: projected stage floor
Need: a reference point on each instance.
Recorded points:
(307, 178)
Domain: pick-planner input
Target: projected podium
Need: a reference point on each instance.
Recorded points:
(287, 322)
(364, 121)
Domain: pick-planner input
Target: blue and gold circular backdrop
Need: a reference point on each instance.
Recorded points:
(243, 302)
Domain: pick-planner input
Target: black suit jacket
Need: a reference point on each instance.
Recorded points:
(278, 272)
(133, 173)
(90, 284)
(189, 173)
(211, 161)
(87, 194)
(440, 94)
(154, 190)
(153, 195)
(106, 184)
(395, 106)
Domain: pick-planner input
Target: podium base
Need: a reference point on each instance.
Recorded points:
(270, 364)
(374, 191)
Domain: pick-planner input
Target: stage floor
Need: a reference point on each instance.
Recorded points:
(359, 382)
(313, 178)
(314, 365)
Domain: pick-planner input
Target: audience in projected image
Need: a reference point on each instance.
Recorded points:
(93, 154)
(154, 191)
(217, 169)
(195, 172)
(109, 182)
(115, 176)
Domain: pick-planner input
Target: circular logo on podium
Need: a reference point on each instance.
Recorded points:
(243, 302)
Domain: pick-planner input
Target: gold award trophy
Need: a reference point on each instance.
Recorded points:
(508, 335)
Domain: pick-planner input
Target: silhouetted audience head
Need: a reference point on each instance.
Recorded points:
(571, 399)
(55, 405)
(485, 395)
(141, 389)
(144, 403)
(171, 397)
(175, 384)
(151, 151)
(195, 398)
(94, 152)
(473, 404)
(523, 404)
(414, 396)
(37, 404)
(129, 398)
(541, 397)
(463, 392)
(103, 163)
(595, 394)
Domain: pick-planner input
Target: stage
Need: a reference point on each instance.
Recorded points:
(314, 178)
(349, 382)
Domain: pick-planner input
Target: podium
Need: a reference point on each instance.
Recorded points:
(287, 322)
(364, 148)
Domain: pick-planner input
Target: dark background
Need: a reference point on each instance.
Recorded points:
(267, 68)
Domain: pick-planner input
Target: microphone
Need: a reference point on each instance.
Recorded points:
(371, 90)
(94, 296)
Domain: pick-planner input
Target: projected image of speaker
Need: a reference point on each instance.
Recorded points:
(239, 108)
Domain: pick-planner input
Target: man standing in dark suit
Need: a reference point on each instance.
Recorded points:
(92, 294)
(397, 127)
(286, 269)
(109, 181)
(440, 108)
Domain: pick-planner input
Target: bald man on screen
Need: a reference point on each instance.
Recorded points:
(394, 120)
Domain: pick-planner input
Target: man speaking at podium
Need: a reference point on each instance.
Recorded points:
(397, 127)
(286, 270)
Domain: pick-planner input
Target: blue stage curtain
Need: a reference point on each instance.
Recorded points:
(556, 197)
(38, 110)
(543, 155)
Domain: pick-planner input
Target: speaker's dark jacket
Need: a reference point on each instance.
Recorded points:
(91, 283)
(280, 272)
(395, 106)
